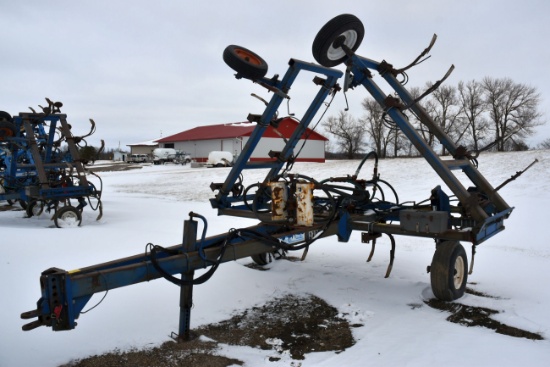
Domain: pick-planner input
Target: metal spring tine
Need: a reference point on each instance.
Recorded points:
(100, 215)
(373, 247)
(392, 255)
(473, 257)
(304, 254)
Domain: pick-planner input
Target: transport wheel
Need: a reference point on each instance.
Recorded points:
(346, 29)
(5, 116)
(261, 259)
(449, 271)
(34, 208)
(67, 217)
(245, 62)
(7, 129)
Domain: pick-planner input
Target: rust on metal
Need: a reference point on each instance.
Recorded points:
(279, 197)
(304, 198)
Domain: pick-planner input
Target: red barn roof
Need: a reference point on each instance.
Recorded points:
(234, 130)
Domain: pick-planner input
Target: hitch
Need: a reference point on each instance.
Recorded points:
(53, 309)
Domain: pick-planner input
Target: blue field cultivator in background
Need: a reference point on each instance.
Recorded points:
(294, 210)
(41, 168)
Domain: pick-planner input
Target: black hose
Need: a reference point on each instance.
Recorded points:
(155, 249)
(373, 153)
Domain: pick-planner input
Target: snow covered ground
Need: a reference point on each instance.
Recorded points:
(150, 204)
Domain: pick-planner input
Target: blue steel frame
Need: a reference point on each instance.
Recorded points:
(64, 294)
(489, 221)
(281, 88)
(28, 172)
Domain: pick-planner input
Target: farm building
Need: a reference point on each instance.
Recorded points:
(232, 138)
(145, 147)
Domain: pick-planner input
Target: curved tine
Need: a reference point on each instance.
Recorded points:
(372, 250)
(417, 60)
(100, 210)
(472, 262)
(304, 254)
(101, 148)
(92, 129)
(430, 89)
(392, 255)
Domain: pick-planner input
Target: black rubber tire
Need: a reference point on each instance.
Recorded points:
(5, 116)
(67, 216)
(245, 62)
(7, 129)
(449, 271)
(346, 25)
(261, 259)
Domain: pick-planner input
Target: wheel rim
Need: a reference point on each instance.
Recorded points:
(337, 53)
(459, 272)
(68, 219)
(248, 57)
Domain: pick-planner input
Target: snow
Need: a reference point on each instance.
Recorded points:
(150, 204)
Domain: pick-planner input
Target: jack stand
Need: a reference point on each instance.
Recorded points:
(186, 293)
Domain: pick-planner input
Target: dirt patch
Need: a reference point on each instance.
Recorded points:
(114, 167)
(479, 316)
(170, 354)
(4, 207)
(293, 324)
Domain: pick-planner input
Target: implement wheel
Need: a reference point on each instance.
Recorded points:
(245, 62)
(261, 259)
(5, 116)
(7, 129)
(345, 29)
(67, 217)
(449, 271)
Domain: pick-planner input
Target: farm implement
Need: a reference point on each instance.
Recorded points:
(41, 168)
(294, 210)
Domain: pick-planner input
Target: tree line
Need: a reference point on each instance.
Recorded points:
(495, 114)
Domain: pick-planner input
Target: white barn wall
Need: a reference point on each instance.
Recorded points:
(313, 149)
(142, 149)
(199, 149)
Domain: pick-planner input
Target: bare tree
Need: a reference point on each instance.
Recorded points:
(470, 98)
(384, 133)
(545, 144)
(426, 134)
(444, 108)
(375, 126)
(513, 111)
(348, 131)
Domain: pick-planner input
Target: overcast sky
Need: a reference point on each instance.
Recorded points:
(142, 69)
